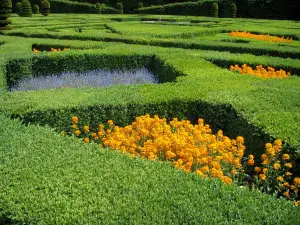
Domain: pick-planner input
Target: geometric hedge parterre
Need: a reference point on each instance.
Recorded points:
(190, 55)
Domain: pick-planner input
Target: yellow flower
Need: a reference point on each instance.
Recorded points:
(86, 140)
(234, 172)
(74, 126)
(286, 156)
(286, 194)
(297, 203)
(77, 132)
(280, 178)
(288, 174)
(250, 161)
(75, 119)
(265, 170)
(262, 177)
(226, 180)
(110, 123)
(257, 169)
(297, 181)
(276, 166)
(86, 128)
(288, 165)
(286, 184)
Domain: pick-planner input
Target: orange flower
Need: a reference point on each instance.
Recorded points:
(280, 178)
(262, 177)
(86, 128)
(77, 132)
(250, 161)
(288, 165)
(285, 156)
(257, 169)
(86, 140)
(110, 123)
(75, 119)
(234, 172)
(276, 166)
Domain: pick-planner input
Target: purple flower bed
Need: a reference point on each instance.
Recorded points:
(94, 78)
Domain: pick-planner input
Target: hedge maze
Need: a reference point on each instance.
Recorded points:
(191, 57)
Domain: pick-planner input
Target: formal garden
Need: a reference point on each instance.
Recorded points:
(157, 112)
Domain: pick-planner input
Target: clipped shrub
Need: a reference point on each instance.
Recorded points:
(36, 9)
(18, 8)
(214, 9)
(119, 6)
(98, 8)
(5, 10)
(233, 10)
(140, 5)
(26, 10)
(45, 8)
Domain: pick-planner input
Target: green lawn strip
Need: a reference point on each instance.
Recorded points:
(50, 179)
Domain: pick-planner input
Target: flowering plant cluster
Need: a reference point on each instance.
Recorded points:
(275, 172)
(51, 50)
(193, 148)
(260, 71)
(264, 37)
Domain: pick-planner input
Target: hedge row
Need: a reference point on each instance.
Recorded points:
(116, 102)
(251, 48)
(65, 6)
(50, 179)
(201, 8)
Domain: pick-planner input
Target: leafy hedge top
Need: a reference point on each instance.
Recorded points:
(5, 4)
(59, 180)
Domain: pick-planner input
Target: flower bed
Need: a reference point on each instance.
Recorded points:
(263, 37)
(260, 71)
(193, 148)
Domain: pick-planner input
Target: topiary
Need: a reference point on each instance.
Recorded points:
(45, 7)
(214, 9)
(5, 10)
(36, 9)
(98, 8)
(119, 6)
(233, 10)
(140, 5)
(18, 8)
(26, 10)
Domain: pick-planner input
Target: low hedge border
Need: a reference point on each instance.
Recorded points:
(276, 51)
(50, 179)
(160, 63)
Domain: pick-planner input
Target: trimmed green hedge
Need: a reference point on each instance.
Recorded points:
(50, 179)
(65, 6)
(262, 49)
(200, 8)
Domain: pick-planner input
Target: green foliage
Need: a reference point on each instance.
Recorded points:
(233, 10)
(36, 9)
(43, 173)
(45, 8)
(119, 6)
(26, 10)
(194, 83)
(5, 9)
(5, 4)
(98, 8)
(19, 8)
(140, 5)
(65, 6)
(214, 9)
(200, 8)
